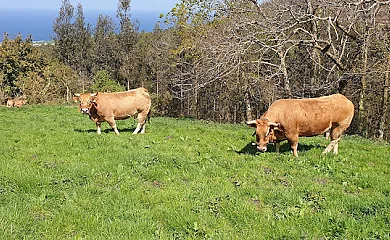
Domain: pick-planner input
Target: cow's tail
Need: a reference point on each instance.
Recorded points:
(148, 116)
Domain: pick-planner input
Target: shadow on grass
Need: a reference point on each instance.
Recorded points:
(106, 130)
(284, 147)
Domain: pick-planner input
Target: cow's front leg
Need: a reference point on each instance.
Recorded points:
(277, 147)
(112, 123)
(99, 127)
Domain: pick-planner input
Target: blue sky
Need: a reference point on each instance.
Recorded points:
(108, 5)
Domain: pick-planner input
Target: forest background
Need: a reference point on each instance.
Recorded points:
(220, 60)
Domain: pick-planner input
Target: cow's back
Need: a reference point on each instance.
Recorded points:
(123, 104)
(19, 103)
(311, 116)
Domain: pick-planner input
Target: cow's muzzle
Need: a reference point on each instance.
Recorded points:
(84, 111)
(261, 149)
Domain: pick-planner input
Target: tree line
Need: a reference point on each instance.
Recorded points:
(220, 60)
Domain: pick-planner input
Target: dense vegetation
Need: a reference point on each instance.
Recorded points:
(219, 60)
(183, 179)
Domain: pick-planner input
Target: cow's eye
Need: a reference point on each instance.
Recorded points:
(268, 132)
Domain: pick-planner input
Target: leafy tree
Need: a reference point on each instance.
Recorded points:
(72, 37)
(82, 44)
(105, 48)
(64, 33)
(18, 60)
(104, 83)
(127, 38)
(30, 71)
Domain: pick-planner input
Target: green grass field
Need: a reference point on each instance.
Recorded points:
(183, 179)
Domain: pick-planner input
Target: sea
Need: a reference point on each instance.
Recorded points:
(39, 23)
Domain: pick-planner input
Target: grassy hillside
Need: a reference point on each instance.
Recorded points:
(183, 179)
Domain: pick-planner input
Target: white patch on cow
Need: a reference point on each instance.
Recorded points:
(334, 144)
(99, 129)
(137, 129)
(143, 128)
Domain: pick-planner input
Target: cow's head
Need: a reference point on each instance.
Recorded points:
(265, 132)
(86, 101)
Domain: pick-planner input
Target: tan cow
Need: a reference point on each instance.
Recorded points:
(287, 119)
(15, 103)
(108, 107)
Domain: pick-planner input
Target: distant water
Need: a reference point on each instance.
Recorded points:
(39, 23)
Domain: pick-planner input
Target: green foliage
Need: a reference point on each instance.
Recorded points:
(182, 179)
(161, 104)
(18, 59)
(104, 83)
(28, 70)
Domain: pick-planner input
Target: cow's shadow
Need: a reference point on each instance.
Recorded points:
(105, 130)
(284, 147)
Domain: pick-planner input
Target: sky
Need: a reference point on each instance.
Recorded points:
(30, 20)
(108, 5)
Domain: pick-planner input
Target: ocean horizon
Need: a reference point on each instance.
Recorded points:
(39, 23)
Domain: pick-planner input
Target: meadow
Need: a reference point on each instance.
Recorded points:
(182, 179)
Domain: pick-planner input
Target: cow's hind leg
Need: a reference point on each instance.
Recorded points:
(334, 143)
(335, 136)
(143, 127)
(137, 128)
(141, 124)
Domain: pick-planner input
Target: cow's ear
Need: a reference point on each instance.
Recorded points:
(76, 97)
(251, 123)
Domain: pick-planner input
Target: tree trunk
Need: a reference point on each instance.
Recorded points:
(385, 100)
(196, 86)
(315, 53)
(362, 98)
(248, 106)
(283, 67)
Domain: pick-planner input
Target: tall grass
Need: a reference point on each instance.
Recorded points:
(183, 179)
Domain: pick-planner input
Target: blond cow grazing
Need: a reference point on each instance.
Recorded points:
(16, 103)
(288, 119)
(108, 107)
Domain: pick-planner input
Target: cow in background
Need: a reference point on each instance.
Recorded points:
(16, 103)
(108, 107)
(288, 119)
